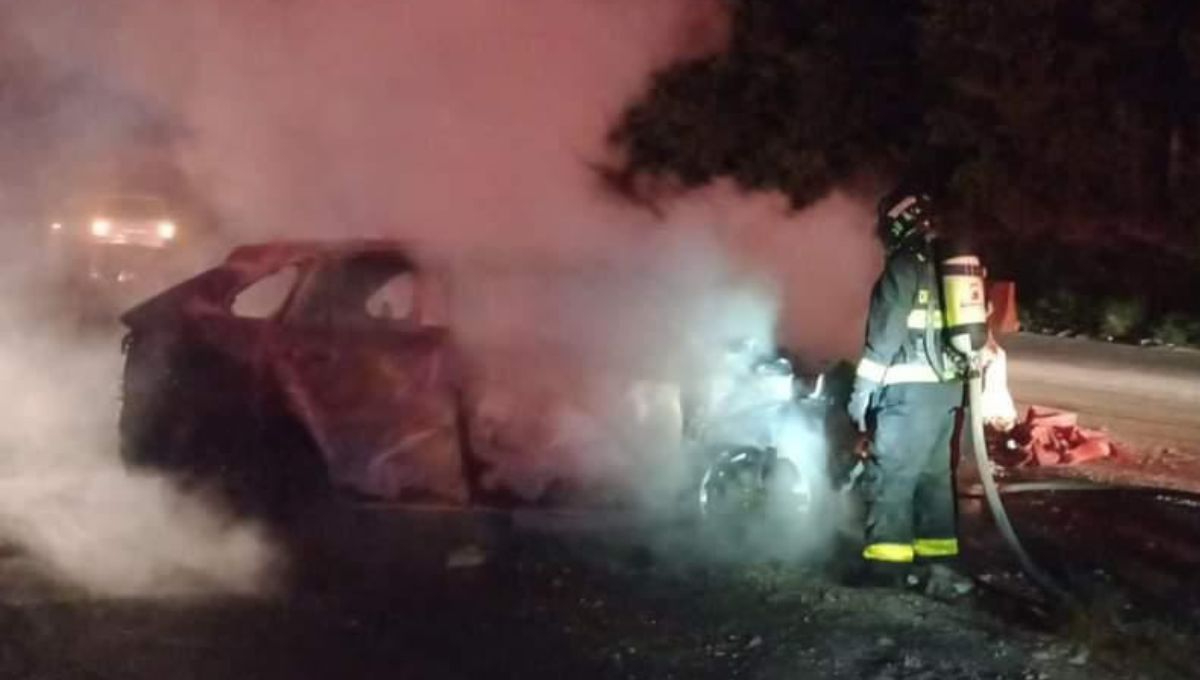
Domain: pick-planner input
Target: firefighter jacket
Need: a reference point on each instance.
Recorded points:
(904, 339)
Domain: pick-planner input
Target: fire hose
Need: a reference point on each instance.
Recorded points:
(965, 316)
(992, 493)
(1164, 494)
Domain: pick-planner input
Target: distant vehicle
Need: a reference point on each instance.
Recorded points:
(108, 251)
(298, 368)
(120, 220)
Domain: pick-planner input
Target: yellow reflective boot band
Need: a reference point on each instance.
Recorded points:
(936, 547)
(888, 552)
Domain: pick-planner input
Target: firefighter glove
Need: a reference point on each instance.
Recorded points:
(860, 403)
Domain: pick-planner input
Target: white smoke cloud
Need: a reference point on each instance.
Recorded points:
(467, 126)
(64, 497)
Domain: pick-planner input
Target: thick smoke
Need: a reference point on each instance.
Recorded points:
(65, 498)
(467, 124)
(66, 502)
(470, 128)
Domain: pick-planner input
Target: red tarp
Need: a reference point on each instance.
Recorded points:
(1051, 437)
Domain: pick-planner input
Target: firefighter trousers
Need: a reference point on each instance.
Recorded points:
(908, 484)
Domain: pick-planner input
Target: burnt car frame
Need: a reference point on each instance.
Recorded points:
(351, 376)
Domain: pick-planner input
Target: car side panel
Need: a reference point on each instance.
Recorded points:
(196, 381)
(382, 407)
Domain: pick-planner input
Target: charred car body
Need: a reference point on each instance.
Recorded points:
(298, 368)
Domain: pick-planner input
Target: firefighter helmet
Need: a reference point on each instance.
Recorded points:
(903, 217)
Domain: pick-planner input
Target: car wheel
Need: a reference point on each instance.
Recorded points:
(790, 492)
(745, 487)
(734, 484)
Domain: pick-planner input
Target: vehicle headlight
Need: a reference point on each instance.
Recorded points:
(101, 227)
(166, 230)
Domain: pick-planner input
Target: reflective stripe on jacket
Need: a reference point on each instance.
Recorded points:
(904, 342)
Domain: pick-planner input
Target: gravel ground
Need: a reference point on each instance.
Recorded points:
(545, 607)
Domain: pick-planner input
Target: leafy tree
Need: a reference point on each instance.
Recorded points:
(1055, 116)
(1064, 110)
(1065, 132)
(809, 92)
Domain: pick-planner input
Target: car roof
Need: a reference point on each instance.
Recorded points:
(272, 254)
(94, 198)
(277, 253)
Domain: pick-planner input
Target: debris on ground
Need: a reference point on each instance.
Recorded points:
(466, 557)
(1049, 436)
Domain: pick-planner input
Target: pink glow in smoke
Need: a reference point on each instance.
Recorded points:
(461, 123)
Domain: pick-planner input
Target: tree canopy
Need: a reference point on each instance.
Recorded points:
(1072, 117)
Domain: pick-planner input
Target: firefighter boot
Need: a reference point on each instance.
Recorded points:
(944, 582)
(868, 574)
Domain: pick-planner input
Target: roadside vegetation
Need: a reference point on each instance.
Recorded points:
(1066, 135)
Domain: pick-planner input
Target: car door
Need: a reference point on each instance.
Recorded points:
(195, 363)
(372, 380)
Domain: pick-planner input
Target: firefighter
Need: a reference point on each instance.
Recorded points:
(907, 390)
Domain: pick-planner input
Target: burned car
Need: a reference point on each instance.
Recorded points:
(294, 369)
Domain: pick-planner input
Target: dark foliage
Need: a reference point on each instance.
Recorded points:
(785, 107)
(1064, 134)
(1065, 116)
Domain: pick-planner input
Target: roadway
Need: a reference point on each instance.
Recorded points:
(1141, 394)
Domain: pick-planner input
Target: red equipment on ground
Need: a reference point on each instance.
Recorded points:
(1051, 437)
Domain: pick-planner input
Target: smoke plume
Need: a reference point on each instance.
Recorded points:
(468, 127)
(64, 497)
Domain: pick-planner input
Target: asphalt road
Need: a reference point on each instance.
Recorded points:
(1142, 395)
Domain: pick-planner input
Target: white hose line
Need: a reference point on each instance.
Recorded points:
(992, 493)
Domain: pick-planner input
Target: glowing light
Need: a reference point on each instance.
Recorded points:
(101, 227)
(166, 230)
(57, 226)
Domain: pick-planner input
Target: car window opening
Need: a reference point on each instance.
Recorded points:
(370, 288)
(264, 298)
